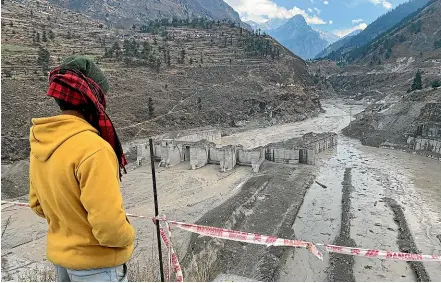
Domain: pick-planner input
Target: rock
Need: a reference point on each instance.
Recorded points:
(232, 278)
(15, 179)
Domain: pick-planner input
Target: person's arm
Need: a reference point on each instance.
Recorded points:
(34, 203)
(98, 176)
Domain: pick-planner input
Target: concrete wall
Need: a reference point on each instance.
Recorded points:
(210, 136)
(171, 153)
(227, 158)
(295, 151)
(143, 153)
(283, 155)
(311, 157)
(324, 143)
(198, 155)
(215, 155)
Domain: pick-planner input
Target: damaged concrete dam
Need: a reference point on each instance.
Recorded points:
(300, 180)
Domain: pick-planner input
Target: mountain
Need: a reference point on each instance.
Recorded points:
(382, 24)
(299, 37)
(124, 13)
(268, 25)
(417, 35)
(337, 44)
(399, 73)
(329, 37)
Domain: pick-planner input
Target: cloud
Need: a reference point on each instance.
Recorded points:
(386, 4)
(310, 10)
(357, 21)
(331, 22)
(262, 10)
(317, 11)
(344, 32)
(326, 2)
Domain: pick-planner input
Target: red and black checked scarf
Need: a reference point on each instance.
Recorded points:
(75, 88)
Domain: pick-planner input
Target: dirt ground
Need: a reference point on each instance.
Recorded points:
(186, 195)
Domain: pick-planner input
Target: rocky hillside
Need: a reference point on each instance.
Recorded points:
(400, 71)
(127, 12)
(185, 75)
(378, 27)
(300, 38)
(268, 25)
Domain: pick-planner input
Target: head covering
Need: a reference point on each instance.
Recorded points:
(88, 68)
(70, 84)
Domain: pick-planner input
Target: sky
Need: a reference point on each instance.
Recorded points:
(339, 17)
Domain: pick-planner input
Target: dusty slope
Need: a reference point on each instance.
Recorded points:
(232, 84)
(125, 13)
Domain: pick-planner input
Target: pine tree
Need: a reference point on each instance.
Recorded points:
(115, 48)
(191, 61)
(127, 47)
(182, 56)
(168, 58)
(158, 65)
(37, 37)
(145, 50)
(202, 59)
(43, 58)
(417, 82)
(151, 108)
(51, 35)
(199, 104)
(44, 38)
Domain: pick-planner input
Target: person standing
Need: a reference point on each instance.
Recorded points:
(76, 161)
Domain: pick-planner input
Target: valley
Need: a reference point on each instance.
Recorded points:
(344, 149)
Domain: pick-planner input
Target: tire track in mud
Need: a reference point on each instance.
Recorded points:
(406, 242)
(341, 266)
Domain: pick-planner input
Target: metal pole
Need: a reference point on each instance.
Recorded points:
(155, 196)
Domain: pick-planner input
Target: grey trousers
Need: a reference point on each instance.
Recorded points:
(111, 274)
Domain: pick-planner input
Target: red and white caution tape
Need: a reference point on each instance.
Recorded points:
(381, 254)
(245, 237)
(172, 259)
(270, 241)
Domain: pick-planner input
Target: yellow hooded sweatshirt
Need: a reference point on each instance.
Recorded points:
(74, 184)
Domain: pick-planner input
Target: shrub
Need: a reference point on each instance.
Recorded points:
(436, 84)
